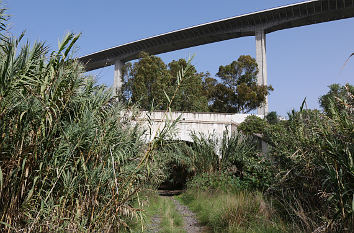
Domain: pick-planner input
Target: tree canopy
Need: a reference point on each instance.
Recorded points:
(236, 89)
(150, 78)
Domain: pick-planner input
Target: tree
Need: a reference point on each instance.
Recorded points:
(146, 81)
(272, 118)
(150, 78)
(238, 90)
(253, 125)
(191, 96)
(338, 96)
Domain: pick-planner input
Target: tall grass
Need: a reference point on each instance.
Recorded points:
(71, 159)
(172, 221)
(307, 174)
(234, 159)
(313, 156)
(233, 212)
(68, 153)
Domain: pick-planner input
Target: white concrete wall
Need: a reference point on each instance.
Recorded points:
(200, 123)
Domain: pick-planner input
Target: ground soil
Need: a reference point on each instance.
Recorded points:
(154, 225)
(191, 224)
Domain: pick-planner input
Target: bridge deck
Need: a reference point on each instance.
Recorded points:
(295, 15)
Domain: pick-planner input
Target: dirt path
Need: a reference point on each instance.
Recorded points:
(191, 224)
(154, 225)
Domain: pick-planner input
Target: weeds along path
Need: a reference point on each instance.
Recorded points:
(190, 222)
(168, 215)
(155, 224)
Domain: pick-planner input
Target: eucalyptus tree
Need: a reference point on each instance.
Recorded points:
(237, 90)
(149, 81)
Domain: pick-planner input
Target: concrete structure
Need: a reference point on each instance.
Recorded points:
(255, 24)
(118, 81)
(262, 65)
(199, 123)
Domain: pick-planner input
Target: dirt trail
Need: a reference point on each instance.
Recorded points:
(191, 224)
(155, 224)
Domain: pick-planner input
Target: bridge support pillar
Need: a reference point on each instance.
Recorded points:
(262, 66)
(118, 77)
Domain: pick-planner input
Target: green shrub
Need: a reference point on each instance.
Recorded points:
(272, 118)
(253, 125)
(216, 181)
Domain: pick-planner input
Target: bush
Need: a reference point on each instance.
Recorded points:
(240, 165)
(253, 125)
(313, 157)
(272, 118)
(217, 182)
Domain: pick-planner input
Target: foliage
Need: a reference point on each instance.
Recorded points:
(160, 215)
(238, 90)
(172, 157)
(230, 163)
(272, 118)
(71, 159)
(190, 97)
(204, 154)
(68, 155)
(233, 212)
(308, 172)
(149, 81)
(218, 181)
(337, 92)
(313, 156)
(253, 125)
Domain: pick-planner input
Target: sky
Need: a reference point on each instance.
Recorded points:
(302, 61)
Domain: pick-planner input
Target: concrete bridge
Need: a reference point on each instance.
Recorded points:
(256, 24)
(189, 122)
(199, 123)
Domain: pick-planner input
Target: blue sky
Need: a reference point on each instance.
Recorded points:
(302, 62)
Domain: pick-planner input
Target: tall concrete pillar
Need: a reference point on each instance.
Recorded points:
(118, 77)
(262, 66)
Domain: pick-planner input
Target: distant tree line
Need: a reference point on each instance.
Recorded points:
(149, 81)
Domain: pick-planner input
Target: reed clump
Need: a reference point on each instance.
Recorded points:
(70, 157)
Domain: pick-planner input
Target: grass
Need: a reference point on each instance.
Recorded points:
(233, 212)
(161, 208)
(172, 221)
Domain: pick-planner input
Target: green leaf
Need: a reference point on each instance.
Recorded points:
(303, 104)
(6, 224)
(168, 98)
(1, 180)
(23, 164)
(30, 193)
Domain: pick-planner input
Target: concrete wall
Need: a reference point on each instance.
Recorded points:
(200, 123)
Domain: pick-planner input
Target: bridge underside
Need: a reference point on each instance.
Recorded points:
(255, 24)
(295, 15)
